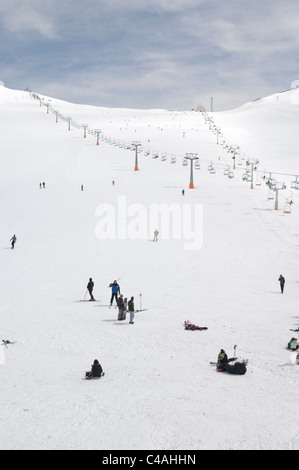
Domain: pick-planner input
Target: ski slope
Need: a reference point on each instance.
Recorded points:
(159, 391)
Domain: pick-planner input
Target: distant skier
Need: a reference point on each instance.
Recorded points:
(115, 291)
(131, 309)
(183, 192)
(81, 187)
(90, 287)
(13, 241)
(156, 233)
(282, 283)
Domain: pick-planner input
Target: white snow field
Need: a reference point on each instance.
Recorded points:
(160, 391)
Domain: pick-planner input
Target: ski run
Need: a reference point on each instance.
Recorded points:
(63, 166)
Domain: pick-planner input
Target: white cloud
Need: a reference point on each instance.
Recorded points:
(20, 16)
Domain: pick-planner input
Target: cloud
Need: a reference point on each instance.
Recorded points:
(18, 16)
(150, 53)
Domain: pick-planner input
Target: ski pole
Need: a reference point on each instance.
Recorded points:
(140, 296)
(85, 295)
(235, 350)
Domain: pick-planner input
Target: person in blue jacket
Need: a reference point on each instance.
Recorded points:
(115, 291)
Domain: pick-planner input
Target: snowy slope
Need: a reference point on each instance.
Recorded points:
(159, 391)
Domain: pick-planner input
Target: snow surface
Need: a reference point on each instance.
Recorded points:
(159, 391)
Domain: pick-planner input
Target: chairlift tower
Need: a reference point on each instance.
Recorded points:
(136, 145)
(191, 157)
(276, 187)
(252, 162)
(233, 149)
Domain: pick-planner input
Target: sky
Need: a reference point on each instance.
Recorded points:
(171, 54)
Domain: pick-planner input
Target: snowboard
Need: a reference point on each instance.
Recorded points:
(94, 378)
(235, 359)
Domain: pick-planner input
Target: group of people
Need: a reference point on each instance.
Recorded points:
(120, 302)
(119, 299)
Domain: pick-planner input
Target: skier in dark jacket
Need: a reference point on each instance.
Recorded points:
(131, 309)
(222, 357)
(96, 370)
(282, 282)
(90, 287)
(13, 241)
(115, 291)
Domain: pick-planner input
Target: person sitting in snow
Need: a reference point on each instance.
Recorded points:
(96, 370)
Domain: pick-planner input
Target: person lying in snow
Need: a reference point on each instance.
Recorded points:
(223, 364)
(191, 326)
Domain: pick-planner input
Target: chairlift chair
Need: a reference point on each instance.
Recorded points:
(288, 205)
(295, 184)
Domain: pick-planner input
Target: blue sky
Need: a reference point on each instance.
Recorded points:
(150, 54)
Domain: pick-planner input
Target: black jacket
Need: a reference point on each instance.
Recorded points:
(131, 306)
(96, 370)
(90, 285)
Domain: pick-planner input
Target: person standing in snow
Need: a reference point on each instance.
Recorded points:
(115, 291)
(282, 282)
(90, 287)
(156, 233)
(131, 309)
(13, 241)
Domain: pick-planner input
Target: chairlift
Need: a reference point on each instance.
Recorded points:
(288, 205)
(231, 175)
(197, 165)
(295, 184)
(164, 157)
(173, 159)
(155, 155)
(270, 196)
(185, 162)
(211, 168)
(226, 172)
(246, 177)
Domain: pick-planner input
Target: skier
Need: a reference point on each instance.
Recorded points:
(183, 192)
(13, 241)
(131, 310)
(156, 233)
(282, 282)
(122, 307)
(81, 187)
(222, 357)
(90, 287)
(96, 370)
(115, 291)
